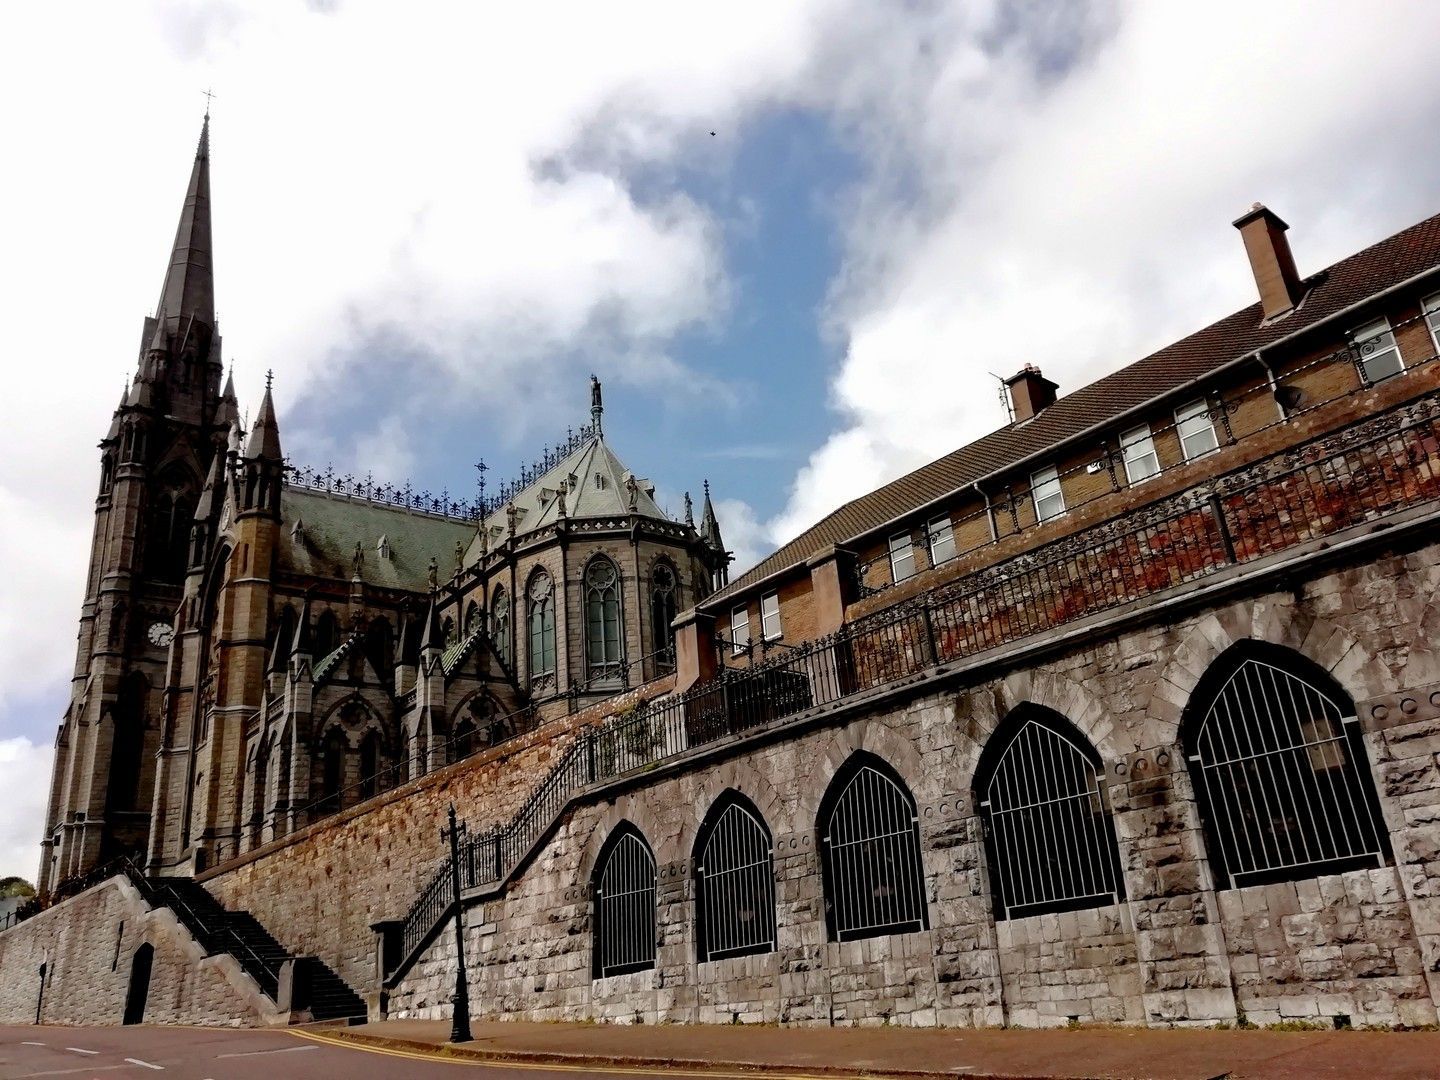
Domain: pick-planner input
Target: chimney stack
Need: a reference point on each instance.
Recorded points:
(1270, 260)
(1030, 392)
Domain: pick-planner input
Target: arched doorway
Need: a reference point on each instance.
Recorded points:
(139, 991)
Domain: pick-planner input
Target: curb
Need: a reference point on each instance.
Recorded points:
(343, 1036)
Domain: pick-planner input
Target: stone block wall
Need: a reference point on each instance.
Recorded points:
(87, 944)
(1360, 946)
(319, 890)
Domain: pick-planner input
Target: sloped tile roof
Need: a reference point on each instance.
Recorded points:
(1347, 282)
(333, 524)
(538, 506)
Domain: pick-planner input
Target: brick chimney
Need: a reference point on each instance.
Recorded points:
(1270, 259)
(1030, 392)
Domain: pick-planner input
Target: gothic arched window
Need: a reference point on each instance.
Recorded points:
(1280, 770)
(1049, 835)
(472, 618)
(127, 746)
(370, 783)
(624, 891)
(378, 648)
(327, 634)
(500, 625)
(870, 843)
(662, 614)
(735, 873)
(542, 626)
(332, 771)
(603, 644)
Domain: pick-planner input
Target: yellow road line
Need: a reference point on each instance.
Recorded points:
(500, 1062)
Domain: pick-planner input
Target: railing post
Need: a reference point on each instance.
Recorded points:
(931, 654)
(590, 756)
(1217, 511)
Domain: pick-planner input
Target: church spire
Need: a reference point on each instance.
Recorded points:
(264, 441)
(189, 290)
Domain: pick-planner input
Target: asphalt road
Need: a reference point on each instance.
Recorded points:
(80, 1053)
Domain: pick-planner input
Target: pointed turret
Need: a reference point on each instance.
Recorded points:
(213, 492)
(227, 409)
(710, 535)
(433, 637)
(264, 441)
(114, 432)
(300, 644)
(188, 294)
(709, 526)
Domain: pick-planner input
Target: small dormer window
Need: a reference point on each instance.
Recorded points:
(382, 547)
(599, 482)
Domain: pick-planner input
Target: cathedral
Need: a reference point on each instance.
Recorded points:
(262, 645)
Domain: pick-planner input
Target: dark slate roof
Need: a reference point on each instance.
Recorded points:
(332, 524)
(1348, 282)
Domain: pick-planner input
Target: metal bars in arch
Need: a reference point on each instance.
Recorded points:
(870, 844)
(624, 888)
(735, 874)
(1280, 770)
(1049, 833)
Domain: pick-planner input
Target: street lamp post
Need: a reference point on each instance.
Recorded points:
(460, 1011)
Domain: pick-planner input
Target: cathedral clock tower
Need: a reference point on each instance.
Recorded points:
(153, 461)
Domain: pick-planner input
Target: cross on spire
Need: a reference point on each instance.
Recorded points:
(208, 95)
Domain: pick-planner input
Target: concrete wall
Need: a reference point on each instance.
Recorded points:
(1363, 945)
(87, 944)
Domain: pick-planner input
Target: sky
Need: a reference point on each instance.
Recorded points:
(797, 242)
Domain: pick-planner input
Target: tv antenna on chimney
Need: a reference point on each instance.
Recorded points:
(1005, 397)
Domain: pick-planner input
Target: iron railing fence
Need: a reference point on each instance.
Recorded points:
(1384, 464)
(213, 937)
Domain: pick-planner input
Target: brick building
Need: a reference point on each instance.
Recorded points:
(1128, 711)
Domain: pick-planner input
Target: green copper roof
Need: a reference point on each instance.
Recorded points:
(319, 532)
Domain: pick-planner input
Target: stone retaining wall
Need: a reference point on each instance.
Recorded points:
(86, 945)
(1361, 947)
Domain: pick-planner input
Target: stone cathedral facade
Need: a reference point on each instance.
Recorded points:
(1127, 712)
(261, 646)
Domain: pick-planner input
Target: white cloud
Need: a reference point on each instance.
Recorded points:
(25, 781)
(1019, 210)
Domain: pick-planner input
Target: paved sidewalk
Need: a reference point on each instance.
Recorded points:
(1130, 1053)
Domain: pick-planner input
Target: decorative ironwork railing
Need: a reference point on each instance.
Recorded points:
(1355, 475)
(365, 487)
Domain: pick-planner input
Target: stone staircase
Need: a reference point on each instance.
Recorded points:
(314, 987)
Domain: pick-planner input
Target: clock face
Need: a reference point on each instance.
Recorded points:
(160, 634)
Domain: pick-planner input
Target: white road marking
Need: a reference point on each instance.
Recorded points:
(71, 1072)
(31, 1044)
(78, 1050)
(137, 1061)
(257, 1053)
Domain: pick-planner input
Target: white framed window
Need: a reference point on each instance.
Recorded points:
(1375, 347)
(1045, 490)
(1195, 429)
(739, 629)
(770, 617)
(1431, 307)
(942, 540)
(902, 557)
(1137, 450)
